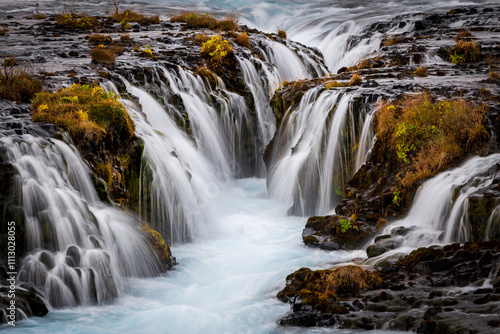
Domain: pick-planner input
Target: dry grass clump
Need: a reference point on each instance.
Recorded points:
(322, 287)
(17, 82)
(87, 112)
(73, 21)
(100, 39)
(333, 84)
(422, 71)
(428, 136)
(464, 34)
(199, 39)
(282, 33)
(100, 55)
(355, 80)
(195, 20)
(208, 75)
(130, 15)
(465, 51)
(244, 40)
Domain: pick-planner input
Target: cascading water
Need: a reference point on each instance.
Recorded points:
(440, 211)
(312, 152)
(79, 248)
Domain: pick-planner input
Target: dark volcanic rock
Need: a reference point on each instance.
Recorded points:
(409, 298)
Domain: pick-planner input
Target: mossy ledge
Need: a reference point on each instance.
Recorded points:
(103, 132)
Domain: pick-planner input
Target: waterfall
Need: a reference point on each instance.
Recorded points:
(312, 154)
(440, 213)
(291, 61)
(177, 180)
(79, 248)
(261, 96)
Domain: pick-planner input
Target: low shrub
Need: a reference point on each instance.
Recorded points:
(195, 20)
(100, 39)
(216, 49)
(244, 40)
(333, 84)
(201, 38)
(148, 53)
(72, 21)
(17, 82)
(282, 33)
(465, 51)
(100, 55)
(87, 112)
(464, 34)
(355, 80)
(421, 71)
(428, 136)
(130, 15)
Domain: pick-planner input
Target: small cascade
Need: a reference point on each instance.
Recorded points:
(366, 140)
(261, 95)
(313, 151)
(177, 180)
(291, 61)
(453, 207)
(79, 249)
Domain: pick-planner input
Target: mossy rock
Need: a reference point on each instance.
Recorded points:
(158, 246)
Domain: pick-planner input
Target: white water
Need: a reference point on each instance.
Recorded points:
(312, 156)
(438, 215)
(226, 284)
(80, 249)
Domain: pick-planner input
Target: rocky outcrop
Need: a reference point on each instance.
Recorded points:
(431, 290)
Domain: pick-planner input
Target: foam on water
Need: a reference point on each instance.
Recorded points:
(227, 284)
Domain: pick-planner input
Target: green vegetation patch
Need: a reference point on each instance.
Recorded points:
(429, 136)
(217, 49)
(86, 112)
(73, 21)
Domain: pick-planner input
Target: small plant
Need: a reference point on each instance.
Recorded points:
(244, 40)
(100, 55)
(216, 49)
(200, 39)
(148, 53)
(465, 51)
(195, 20)
(333, 84)
(281, 33)
(464, 34)
(17, 82)
(421, 71)
(457, 59)
(73, 21)
(355, 80)
(99, 39)
(125, 25)
(493, 76)
(396, 200)
(346, 224)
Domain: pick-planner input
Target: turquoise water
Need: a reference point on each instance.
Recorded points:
(224, 284)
